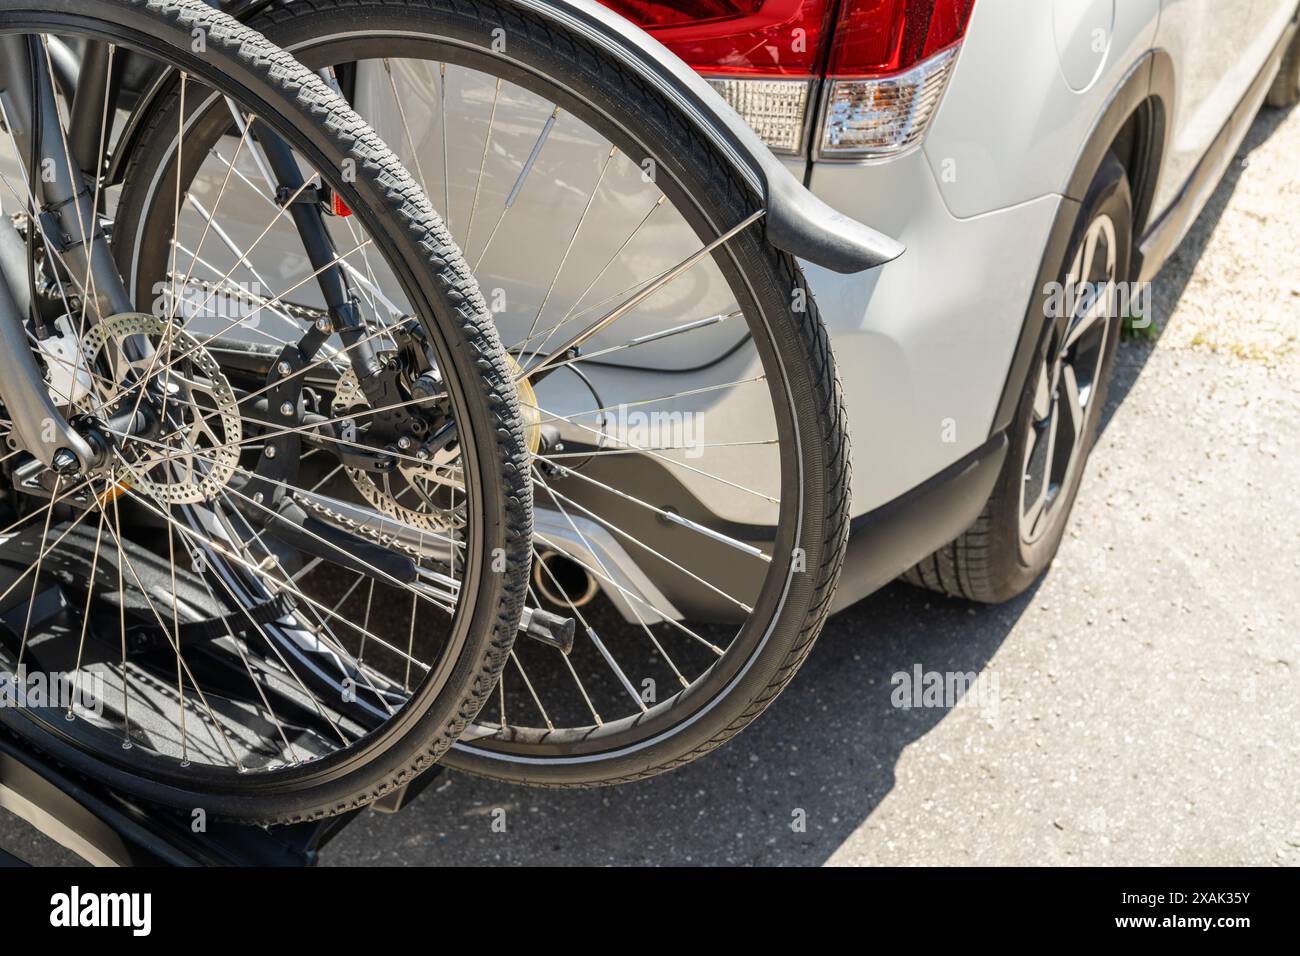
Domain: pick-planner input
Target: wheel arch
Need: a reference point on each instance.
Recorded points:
(1135, 125)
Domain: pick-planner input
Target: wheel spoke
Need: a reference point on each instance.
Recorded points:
(519, 183)
(618, 253)
(557, 497)
(36, 578)
(577, 614)
(627, 306)
(90, 593)
(406, 126)
(1038, 508)
(573, 237)
(622, 443)
(1100, 309)
(122, 561)
(482, 164)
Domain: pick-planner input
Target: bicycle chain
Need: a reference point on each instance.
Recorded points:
(293, 310)
(354, 527)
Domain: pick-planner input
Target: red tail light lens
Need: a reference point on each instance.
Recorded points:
(786, 37)
(663, 13)
(736, 37)
(880, 37)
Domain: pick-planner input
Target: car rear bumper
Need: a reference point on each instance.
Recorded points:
(924, 344)
(887, 541)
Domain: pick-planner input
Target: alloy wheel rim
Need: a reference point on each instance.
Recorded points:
(1067, 380)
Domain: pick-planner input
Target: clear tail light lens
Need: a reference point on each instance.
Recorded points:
(883, 118)
(777, 110)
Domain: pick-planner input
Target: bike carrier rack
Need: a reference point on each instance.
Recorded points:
(105, 828)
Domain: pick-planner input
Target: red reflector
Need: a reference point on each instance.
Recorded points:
(338, 207)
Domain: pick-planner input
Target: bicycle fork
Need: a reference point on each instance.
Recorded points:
(62, 206)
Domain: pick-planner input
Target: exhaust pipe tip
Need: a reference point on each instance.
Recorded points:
(563, 581)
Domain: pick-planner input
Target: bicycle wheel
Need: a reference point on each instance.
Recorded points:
(690, 460)
(186, 597)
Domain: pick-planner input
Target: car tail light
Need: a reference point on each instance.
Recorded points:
(776, 109)
(883, 64)
(884, 117)
(736, 37)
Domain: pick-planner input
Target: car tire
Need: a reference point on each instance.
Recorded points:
(1286, 86)
(996, 559)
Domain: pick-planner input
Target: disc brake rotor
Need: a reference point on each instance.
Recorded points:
(416, 495)
(198, 449)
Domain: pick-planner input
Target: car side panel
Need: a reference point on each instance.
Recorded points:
(1218, 47)
(1021, 103)
(922, 343)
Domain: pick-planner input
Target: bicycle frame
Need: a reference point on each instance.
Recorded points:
(71, 229)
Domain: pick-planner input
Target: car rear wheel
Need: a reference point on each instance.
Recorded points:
(1286, 87)
(1017, 535)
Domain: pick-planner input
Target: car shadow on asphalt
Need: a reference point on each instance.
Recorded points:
(1171, 282)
